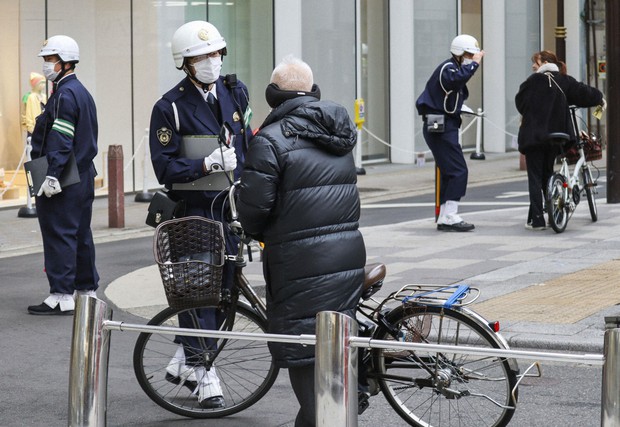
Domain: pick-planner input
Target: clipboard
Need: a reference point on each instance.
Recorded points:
(36, 171)
(199, 147)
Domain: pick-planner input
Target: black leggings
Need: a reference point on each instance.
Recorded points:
(302, 381)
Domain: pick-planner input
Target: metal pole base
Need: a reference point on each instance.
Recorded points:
(144, 197)
(477, 156)
(360, 171)
(26, 212)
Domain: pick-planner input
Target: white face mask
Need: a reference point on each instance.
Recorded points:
(48, 70)
(208, 70)
(467, 61)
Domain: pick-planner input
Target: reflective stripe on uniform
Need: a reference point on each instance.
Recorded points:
(64, 127)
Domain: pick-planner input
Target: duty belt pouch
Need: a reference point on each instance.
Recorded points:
(163, 207)
(435, 123)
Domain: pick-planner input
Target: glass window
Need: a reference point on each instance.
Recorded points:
(333, 64)
(126, 63)
(522, 40)
(431, 47)
(375, 80)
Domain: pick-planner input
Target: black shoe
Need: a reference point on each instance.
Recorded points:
(46, 310)
(214, 402)
(176, 380)
(459, 226)
(362, 402)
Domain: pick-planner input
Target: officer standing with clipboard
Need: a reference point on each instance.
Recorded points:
(199, 106)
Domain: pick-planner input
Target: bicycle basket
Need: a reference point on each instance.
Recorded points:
(593, 149)
(190, 254)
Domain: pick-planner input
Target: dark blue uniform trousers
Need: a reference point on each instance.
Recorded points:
(207, 318)
(449, 158)
(67, 238)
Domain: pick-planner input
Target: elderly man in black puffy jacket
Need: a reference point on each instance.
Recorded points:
(299, 196)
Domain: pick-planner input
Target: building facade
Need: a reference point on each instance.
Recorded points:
(380, 50)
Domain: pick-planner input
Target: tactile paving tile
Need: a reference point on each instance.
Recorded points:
(566, 299)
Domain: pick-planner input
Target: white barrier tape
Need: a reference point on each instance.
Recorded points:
(461, 132)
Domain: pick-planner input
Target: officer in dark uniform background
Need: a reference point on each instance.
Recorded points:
(68, 125)
(444, 94)
(199, 105)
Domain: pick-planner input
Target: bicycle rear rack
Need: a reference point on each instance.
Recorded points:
(437, 295)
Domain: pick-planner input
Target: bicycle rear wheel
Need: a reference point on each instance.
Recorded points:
(590, 187)
(245, 368)
(432, 389)
(557, 205)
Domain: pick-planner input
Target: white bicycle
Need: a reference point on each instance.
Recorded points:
(564, 190)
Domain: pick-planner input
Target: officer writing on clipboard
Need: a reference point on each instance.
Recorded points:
(198, 106)
(440, 107)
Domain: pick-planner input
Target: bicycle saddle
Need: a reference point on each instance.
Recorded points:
(373, 279)
(559, 137)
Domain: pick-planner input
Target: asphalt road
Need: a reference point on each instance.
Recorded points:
(35, 351)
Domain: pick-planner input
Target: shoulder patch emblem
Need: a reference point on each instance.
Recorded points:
(164, 135)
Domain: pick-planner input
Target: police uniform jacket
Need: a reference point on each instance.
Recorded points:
(299, 195)
(544, 106)
(194, 117)
(68, 123)
(448, 99)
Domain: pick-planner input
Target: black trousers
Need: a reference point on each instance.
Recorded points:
(302, 381)
(539, 169)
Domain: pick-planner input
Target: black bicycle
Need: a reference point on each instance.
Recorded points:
(426, 388)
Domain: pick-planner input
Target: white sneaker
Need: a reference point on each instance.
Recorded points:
(209, 390)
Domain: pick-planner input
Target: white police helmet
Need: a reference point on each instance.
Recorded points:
(63, 46)
(464, 43)
(195, 38)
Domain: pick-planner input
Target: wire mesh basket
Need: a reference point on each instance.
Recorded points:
(190, 254)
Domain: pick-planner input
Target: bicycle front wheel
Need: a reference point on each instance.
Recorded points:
(245, 368)
(557, 203)
(432, 389)
(590, 187)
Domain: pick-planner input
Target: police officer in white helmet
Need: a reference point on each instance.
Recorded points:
(440, 107)
(198, 106)
(66, 129)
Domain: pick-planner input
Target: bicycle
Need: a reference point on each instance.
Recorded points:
(245, 368)
(429, 388)
(424, 388)
(564, 190)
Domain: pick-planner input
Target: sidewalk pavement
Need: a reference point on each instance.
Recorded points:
(549, 291)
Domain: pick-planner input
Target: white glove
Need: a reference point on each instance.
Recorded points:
(50, 187)
(221, 160)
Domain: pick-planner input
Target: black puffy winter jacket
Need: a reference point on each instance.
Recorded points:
(299, 196)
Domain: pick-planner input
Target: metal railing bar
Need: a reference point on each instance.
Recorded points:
(209, 333)
(590, 359)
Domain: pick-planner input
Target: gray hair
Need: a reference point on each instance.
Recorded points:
(293, 74)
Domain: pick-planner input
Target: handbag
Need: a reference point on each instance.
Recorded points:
(164, 207)
(435, 123)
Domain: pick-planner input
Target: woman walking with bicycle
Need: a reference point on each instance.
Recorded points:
(543, 101)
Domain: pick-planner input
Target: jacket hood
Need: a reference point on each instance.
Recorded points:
(324, 123)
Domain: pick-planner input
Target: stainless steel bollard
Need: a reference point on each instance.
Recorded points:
(88, 372)
(610, 394)
(335, 372)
